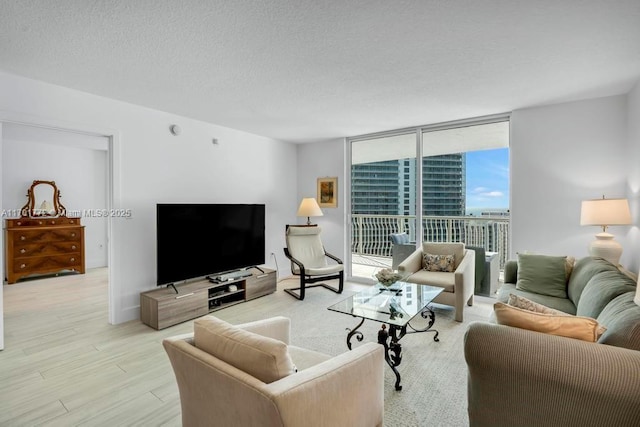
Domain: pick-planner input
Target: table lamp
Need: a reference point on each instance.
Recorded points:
(309, 207)
(605, 212)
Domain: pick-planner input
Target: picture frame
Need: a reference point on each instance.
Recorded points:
(328, 192)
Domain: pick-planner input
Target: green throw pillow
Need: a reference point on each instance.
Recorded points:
(542, 274)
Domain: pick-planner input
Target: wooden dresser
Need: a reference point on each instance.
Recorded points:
(43, 246)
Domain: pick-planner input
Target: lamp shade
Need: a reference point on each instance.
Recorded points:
(309, 207)
(605, 212)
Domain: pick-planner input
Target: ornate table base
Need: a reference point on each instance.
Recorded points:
(390, 339)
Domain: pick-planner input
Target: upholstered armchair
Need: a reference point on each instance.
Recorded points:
(250, 375)
(448, 265)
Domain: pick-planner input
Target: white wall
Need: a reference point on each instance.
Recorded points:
(151, 165)
(633, 161)
(560, 155)
(80, 173)
(322, 160)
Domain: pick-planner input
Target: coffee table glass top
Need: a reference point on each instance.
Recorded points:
(395, 305)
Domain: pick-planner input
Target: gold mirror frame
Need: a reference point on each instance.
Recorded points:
(39, 206)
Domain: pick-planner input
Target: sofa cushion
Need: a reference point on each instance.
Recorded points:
(582, 328)
(622, 319)
(432, 262)
(562, 304)
(583, 270)
(455, 249)
(542, 274)
(264, 358)
(601, 289)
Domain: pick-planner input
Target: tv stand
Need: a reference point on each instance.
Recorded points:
(171, 285)
(161, 308)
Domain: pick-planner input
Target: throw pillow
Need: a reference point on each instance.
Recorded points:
(264, 358)
(542, 274)
(568, 266)
(443, 263)
(526, 304)
(582, 328)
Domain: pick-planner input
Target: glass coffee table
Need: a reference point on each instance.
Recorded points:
(395, 307)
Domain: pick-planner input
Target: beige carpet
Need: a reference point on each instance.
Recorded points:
(434, 376)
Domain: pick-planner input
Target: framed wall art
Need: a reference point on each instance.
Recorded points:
(328, 192)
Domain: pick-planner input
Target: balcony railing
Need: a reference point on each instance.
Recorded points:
(370, 233)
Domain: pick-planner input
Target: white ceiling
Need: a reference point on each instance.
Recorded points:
(308, 70)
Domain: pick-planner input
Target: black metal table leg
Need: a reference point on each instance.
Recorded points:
(355, 332)
(394, 347)
(427, 313)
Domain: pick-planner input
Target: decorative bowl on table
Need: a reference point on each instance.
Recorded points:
(388, 277)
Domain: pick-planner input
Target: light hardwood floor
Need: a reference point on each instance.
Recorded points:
(65, 365)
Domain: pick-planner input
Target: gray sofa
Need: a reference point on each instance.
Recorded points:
(518, 377)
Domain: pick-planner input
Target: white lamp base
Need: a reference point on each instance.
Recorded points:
(605, 247)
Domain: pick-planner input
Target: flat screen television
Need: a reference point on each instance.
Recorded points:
(196, 240)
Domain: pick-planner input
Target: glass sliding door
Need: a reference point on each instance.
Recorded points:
(383, 199)
(465, 185)
(457, 192)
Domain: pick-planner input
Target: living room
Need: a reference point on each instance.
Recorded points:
(579, 145)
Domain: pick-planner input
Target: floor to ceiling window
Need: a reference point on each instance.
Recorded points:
(459, 191)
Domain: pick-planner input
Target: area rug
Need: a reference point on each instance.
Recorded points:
(434, 374)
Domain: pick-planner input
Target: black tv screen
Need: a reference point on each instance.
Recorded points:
(196, 240)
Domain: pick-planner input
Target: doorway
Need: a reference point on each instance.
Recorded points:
(81, 163)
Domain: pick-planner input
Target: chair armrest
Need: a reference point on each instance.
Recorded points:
(526, 378)
(333, 257)
(468, 263)
(511, 271)
(346, 390)
(464, 280)
(277, 327)
(412, 263)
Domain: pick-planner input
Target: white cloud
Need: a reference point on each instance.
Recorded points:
(484, 192)
(494, 194)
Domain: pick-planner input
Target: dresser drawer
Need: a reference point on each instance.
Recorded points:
(48, 263)
(43, 249)
(45, 235)
(43, 246)
(41, 222)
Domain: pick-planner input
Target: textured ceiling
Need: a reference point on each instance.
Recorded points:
(302, 70)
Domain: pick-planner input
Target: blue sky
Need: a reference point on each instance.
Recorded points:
(488, 179)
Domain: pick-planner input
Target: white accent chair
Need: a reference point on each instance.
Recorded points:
(217, 369)
(458, 285)
(309, 260)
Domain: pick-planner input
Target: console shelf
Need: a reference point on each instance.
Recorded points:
(161, 308)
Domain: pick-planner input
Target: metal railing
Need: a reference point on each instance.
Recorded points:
(370, 233)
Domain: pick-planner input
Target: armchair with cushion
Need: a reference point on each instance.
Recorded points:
(448, 265)
(309, 260)
(249, 375)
